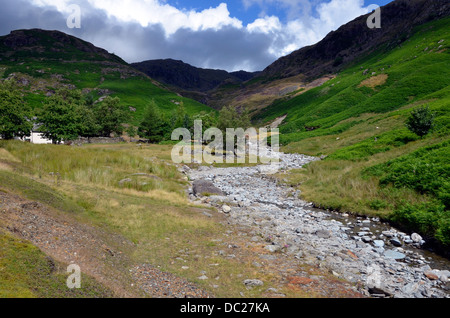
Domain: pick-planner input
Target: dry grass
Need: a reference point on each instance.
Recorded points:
(5, 155)
(340, 184)
(168, 231)
(374, 81)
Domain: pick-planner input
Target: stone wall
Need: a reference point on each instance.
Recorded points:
(96, 140)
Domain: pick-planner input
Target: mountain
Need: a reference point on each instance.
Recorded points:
(42, 61)
(353, 114)
(40, 44)
(314, 65)
(354, 39)
(188, 80)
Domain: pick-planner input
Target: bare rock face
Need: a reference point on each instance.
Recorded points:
(201, 187)
(355, 39)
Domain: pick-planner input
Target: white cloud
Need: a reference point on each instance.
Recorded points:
(139, 22)
(337, 12)
(307, 30)
(265, 25)
(148, 12)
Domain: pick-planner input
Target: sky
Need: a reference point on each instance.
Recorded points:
(220, 34)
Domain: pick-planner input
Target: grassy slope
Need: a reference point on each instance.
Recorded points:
(89, 71)
(26, 272)
(413, 74)
(153, 212)
(359, 127)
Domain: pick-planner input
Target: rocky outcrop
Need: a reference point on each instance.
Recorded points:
(355, 39)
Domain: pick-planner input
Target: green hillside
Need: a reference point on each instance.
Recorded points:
(43, 61)
(414, 72)
(374, 164)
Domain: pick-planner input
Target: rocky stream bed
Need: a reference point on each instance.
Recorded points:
(363, 251)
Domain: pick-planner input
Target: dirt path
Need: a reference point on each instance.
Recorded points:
(100, 254)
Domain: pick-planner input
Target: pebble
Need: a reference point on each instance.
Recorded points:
(395, 242)
(393, 254)
(253, 282)
(378, 243)
(272, 248)
(431, 275)
(416, 238)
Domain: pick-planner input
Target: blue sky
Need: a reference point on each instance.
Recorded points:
(247, 15)
(221, 34)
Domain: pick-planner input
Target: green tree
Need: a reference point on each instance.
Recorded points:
(153, 126)
(230, 117)
(62, 115)
(14, 112)
(421, 121)
(179, 118)
(208, 120)
(110, 116)
(89, 126)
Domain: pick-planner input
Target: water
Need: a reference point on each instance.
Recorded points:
(434, 260)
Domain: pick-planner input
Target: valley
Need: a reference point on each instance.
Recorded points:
(357, 208)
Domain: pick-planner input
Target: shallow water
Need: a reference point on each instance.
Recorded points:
(434, 260)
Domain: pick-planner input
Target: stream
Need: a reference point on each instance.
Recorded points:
(388, 262)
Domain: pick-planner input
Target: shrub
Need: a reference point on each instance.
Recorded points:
(377, 204)
(431, 220)
(421, 121)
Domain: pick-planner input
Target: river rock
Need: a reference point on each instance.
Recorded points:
(253, 282)
(416, 238)
(395, 242)
(430, 274)
(277, 215)
(378, 243)
(201, 187)
(323, 234)
(226, 208)
(272, 248)
(393, 254)
(443, 275)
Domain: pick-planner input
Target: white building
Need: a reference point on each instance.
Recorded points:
(37, 138)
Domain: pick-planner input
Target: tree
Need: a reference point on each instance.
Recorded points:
(230, 117)
(15, 113)
(110, 116)
(89, 126)
(61, 117)
(153, 126)
(421, 121)
(209, 120)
